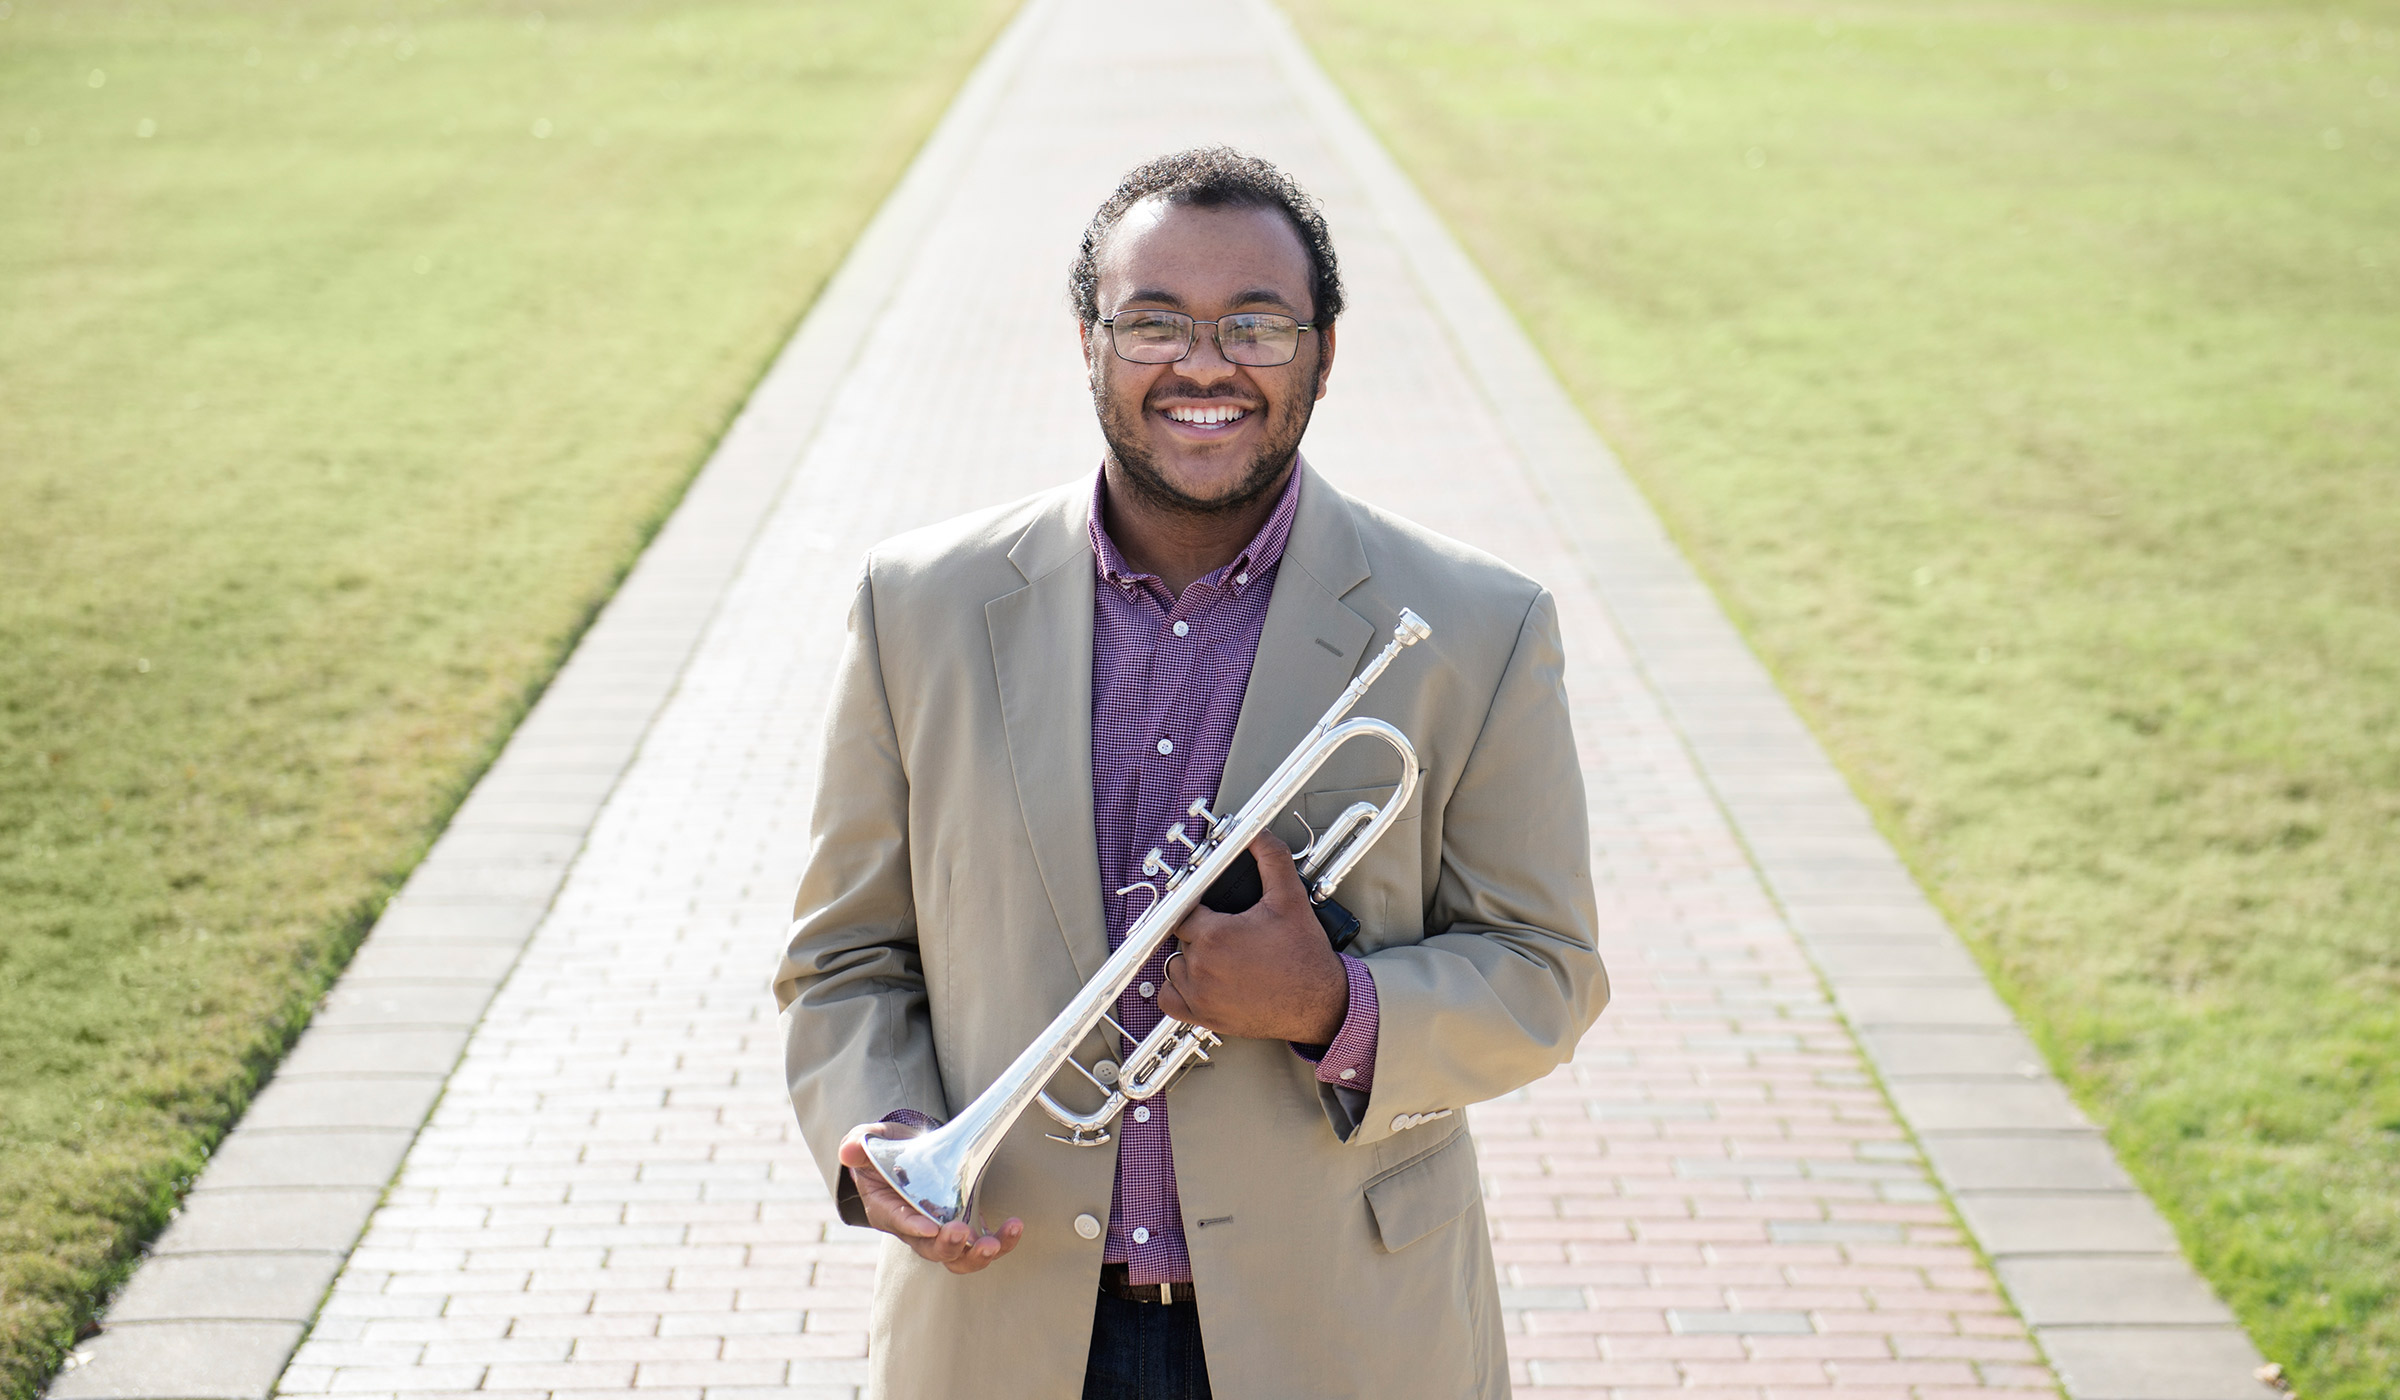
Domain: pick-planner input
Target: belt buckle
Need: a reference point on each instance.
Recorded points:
(1166, 1291)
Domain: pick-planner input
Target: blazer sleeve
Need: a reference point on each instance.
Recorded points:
(858, 1037)
(1508, 977)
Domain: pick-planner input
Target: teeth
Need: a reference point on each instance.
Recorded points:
(1207, 415)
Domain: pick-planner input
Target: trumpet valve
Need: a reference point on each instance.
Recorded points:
(1154, 863)
(1176, 833)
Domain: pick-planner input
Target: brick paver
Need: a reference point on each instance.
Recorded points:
(1714, 1199)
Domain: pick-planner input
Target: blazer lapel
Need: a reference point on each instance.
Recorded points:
(1042, 652)
(1312, 643)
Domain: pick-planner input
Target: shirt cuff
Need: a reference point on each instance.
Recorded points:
(1349, 1062)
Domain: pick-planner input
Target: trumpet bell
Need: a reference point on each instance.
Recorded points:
(933, 1171)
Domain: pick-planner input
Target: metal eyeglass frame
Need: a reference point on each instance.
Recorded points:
(1191, 335)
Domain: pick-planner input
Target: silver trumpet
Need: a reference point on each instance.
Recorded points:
(937, 1171)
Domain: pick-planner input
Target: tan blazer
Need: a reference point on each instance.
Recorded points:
(951, 905)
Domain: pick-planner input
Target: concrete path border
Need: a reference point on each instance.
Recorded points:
(230, 1287)
(2084, 1255)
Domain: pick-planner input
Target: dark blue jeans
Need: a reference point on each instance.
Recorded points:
(1146, 1351)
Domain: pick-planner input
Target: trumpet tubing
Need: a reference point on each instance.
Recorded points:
(938, 1171)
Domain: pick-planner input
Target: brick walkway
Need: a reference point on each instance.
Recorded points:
(1715, 1199)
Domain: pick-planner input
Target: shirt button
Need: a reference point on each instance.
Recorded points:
(1241, 578)
(1349, 1074)
(1140, 1235)
(1149, 989)
(1141, 1113)
(1166, 746)
(1088, 1226)
(1183, 629)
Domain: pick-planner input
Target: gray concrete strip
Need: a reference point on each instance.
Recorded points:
(181, 1361)
(311, 1158)
(501, 923)
(430, 961)
(2013, 1223)
(249, 1287)
(2153, 1363)
(1999, 1052)
(267, 1158)
(2015, 1161)
(2156, 1290)
(219, 1221)
(316, 1102)
(1874, 1004)
(379, 1005)
(363, 1053)
(1775, 777)
(1985, 1105)
(1829, 919)
(1883, 960)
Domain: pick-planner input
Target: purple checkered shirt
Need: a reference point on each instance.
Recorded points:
(1168, 675)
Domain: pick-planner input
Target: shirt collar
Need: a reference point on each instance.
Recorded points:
(1264, 551)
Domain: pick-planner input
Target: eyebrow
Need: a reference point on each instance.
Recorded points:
(1251, 297)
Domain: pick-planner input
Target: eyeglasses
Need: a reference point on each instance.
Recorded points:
(1259, 339)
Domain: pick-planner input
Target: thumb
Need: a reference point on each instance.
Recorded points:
(1278, 879)
(853, 1151)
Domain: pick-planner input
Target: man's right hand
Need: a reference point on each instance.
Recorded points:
(953, 1246)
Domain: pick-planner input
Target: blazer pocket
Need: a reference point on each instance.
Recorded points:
(1418, 1197)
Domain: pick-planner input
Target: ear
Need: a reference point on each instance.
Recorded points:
(1324, 358)
(1083, 340)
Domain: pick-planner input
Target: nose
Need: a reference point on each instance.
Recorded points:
(1205, 362)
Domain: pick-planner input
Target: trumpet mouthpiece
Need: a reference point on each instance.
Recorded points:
(1412, 629)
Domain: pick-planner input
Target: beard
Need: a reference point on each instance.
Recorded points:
(1122, 429)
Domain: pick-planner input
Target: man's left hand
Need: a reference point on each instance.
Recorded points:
(1266, 973)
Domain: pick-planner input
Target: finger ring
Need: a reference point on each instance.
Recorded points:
(1168, 971)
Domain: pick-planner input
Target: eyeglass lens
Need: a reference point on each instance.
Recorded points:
(1255, 338)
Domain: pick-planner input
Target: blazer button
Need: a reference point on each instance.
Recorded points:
(1088, 1226)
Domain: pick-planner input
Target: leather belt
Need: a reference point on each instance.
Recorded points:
(1114, 1282)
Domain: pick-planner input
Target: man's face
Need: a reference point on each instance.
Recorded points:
(1205, 435)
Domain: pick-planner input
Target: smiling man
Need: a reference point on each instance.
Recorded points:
(1030, 698)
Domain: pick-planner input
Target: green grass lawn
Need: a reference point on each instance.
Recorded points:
(2026, 379)
(349, 351)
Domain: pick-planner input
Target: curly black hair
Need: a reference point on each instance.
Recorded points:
(1212, 177)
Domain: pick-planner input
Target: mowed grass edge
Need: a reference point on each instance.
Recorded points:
(2023, 377)
(354, 350)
